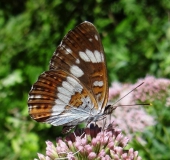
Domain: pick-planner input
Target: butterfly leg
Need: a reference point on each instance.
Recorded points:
(67, 129)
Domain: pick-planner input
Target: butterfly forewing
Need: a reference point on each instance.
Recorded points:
(81, 54)
(75, 88)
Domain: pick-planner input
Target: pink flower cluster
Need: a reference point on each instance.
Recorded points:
(91, 143)
(115, 90)
(152, 89)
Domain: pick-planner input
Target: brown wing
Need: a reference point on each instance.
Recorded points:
(60, 99)
(81, 54)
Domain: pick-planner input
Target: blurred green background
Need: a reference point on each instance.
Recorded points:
(135, 36)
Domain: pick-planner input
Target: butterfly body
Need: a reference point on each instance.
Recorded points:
(75, 89)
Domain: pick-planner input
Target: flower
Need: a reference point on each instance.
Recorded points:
(131, 119)
(91, 143)
(115, 90)
(152, 89)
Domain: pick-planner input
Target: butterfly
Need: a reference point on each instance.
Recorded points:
(75, 88)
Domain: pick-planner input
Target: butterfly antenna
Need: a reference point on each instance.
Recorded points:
(128, 93)
(113, 107)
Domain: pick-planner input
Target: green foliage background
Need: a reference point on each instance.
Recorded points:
(135, 36)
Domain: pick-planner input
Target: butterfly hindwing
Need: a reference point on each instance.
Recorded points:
(60, 99)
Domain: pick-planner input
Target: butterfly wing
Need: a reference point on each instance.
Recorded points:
(75, 87)
(81, 54)
(59, 98)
